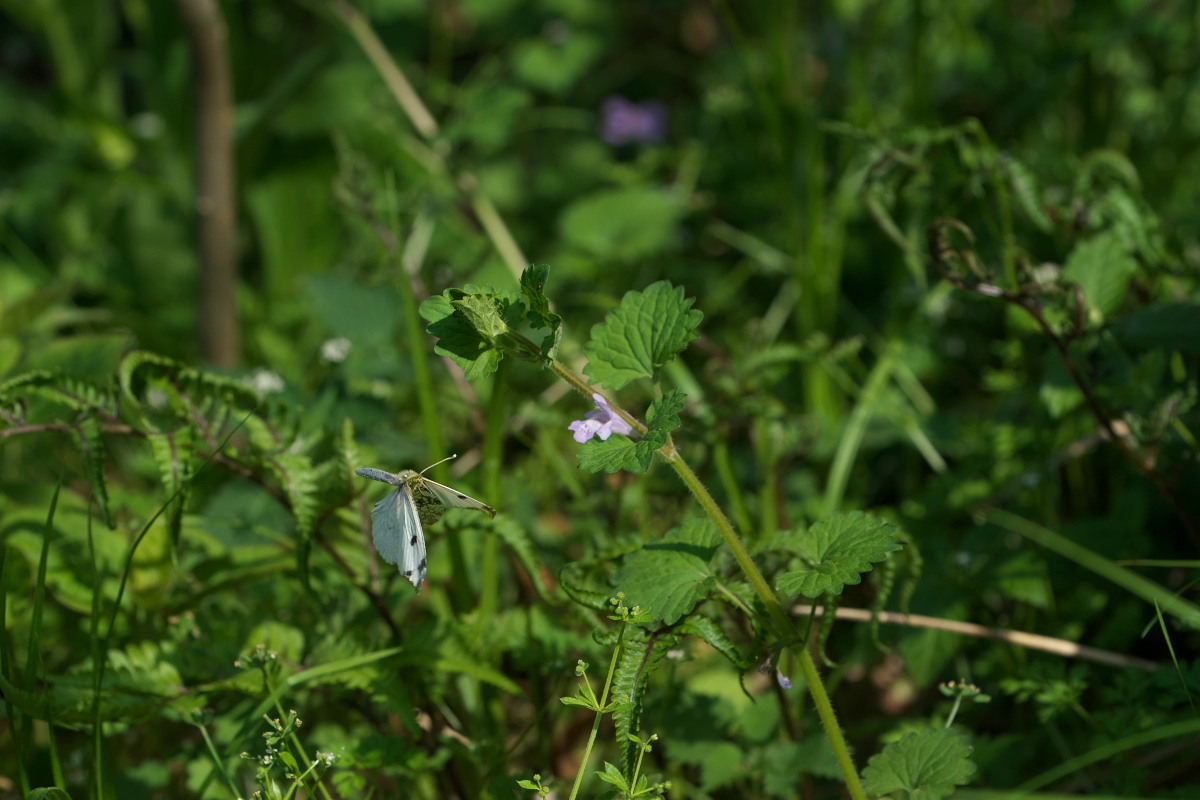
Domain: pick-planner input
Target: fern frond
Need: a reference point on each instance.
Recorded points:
(641, 654)
(91, 444)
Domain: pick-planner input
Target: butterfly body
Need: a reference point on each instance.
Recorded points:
(398, 520)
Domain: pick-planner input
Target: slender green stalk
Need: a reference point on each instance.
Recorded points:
(587, 750)
(1128, 580)
(786, 628)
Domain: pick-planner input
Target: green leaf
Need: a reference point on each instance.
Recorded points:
(622, 225)
(1102, 266)
(670, 577)
(926, 764)
(613, 775)
(299, 480)
(647, 330)
(717, 639)
(458, 339)
(1168, 326)
(533, 281)
(617, 453)
(48, 793)
(620, 452)
(640, 656)
(837, 550)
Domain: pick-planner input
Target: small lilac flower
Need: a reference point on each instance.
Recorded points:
(623, 121)
(784, 681)
(602, 422)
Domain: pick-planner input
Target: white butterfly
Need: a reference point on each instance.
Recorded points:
(398, 520)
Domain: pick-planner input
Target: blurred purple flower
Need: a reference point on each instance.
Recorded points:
(602, 422)
(784, 681)
(624, 121)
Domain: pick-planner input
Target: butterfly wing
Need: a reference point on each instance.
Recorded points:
(379, 475)
(452, 498)
(399, 537)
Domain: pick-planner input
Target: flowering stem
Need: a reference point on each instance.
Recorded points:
(587, 750)
(778, 615)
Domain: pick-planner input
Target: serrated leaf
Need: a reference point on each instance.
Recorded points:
(458, 339)
(640, 657)
(926, 764)
(837, 550)
(669, 577)
(708, 630)
(647, 330)
(1102, 266)
(533, 281)
(1026, 191)
(485, 312)
(616, 453)
(299, 479)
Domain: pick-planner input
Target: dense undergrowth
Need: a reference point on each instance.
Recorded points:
(879, 323)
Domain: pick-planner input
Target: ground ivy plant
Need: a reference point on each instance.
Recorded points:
(478, 327)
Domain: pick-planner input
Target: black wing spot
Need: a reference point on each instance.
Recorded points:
(462, 497)
(408, 573)
(413, 541)
(421, 566)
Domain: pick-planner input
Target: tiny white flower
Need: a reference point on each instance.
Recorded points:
(334, 351)
(264, 381)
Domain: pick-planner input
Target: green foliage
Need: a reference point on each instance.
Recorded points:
(929, 763)
(835, 553)
(637, 338)
(965, 301)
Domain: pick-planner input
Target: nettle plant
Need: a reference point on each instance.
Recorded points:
(663, 586)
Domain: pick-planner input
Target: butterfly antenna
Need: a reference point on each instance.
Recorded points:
(443, 461)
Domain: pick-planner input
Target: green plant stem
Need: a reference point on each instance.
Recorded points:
(587, 750)
(779, 616)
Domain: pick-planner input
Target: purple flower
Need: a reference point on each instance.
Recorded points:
(623, 121)
(784, 681)
(602, 422)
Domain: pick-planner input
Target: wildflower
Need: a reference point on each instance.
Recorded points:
(623, 121)
(602, 422)
(264, 381)
(784, 681)
(333, 351)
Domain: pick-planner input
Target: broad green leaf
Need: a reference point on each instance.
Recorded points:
(622, 225)
(1102, 266)
(927, 764)
(613, 775)
(458, 339)
(668, 578)
(616, 454)
(647, 330)
(837, 550)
